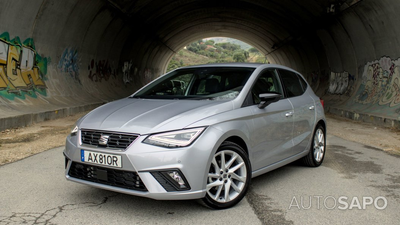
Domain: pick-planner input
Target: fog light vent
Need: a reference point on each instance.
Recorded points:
(171, 180)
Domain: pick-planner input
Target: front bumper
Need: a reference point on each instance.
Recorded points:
(143, 159)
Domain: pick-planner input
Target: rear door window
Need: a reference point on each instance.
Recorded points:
(292, 83)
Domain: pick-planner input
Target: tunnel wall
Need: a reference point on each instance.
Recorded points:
(53, 58)
(353, 63)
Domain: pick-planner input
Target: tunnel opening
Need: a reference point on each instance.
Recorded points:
(215, 50)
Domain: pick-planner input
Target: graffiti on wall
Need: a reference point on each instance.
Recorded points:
(126, 72)
(101, 70)
(341, 83)
(397, 111)
(22, 70)
(380, 83)
(69, 63)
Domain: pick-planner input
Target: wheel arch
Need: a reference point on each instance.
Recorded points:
(235, 135)
(236, 148)
(239, 141)
(322, 123)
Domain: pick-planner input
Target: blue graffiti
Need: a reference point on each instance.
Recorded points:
(69, 63)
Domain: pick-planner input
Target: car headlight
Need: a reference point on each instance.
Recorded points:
(174, 139)
(74, 130)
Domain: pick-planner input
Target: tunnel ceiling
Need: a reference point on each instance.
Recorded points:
(265, 24)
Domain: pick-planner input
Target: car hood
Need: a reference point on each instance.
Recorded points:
(143, 116)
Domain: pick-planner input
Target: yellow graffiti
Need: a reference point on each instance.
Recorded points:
(29, 71)
(18, 69)
(4, 83)
(13, 70)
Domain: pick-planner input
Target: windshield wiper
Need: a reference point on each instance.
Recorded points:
(200, 98)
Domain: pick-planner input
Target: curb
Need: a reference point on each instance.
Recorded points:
(29, 119)
(366, 118)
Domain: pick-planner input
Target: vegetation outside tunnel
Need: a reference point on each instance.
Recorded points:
(210, 51)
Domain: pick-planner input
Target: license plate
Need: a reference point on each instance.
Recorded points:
(101, 158)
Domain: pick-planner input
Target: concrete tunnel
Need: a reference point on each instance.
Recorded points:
(61, 57)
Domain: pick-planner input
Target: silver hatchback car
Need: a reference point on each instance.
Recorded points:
(199, 132)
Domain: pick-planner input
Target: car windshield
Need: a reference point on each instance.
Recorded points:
(214, 83)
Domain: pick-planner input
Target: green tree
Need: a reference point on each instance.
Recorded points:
(254, 50)
(173, 64)
(228, 46)
(221, 53)
(192, 48)
(203, 47)
(246, 54)
(210, 42)
(239, 57)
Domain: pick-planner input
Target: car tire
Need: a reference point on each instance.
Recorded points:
(228, 177)
(316, 155)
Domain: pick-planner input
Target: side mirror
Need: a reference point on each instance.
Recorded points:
(267, 99)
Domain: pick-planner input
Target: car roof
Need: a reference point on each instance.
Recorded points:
(247, 65)
(250, 65)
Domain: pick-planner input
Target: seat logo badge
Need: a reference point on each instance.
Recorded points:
(104, 139)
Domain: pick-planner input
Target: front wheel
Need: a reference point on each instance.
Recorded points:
(317, 150)
(228, 177)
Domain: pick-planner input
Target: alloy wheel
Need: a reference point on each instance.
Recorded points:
(319, 145)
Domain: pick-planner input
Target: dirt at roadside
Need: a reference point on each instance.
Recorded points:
(16, 144)
(379, 137)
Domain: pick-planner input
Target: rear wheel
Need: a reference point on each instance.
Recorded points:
(317, 150)
(228, 177)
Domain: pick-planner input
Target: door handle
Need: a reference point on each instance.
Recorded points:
(311, 107)
(289, 114)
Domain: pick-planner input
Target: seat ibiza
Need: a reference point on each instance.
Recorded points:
(199, 132)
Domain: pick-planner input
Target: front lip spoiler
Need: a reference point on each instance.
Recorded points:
(153, 192)
(182, 195)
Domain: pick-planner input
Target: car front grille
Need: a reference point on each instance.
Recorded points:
(107, 176)
(115, 140)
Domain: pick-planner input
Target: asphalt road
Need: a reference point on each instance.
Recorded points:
(356, 184)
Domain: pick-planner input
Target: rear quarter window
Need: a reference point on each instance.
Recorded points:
(303, 83)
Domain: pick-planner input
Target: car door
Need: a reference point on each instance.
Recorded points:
(303, 109)
(271, 136)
